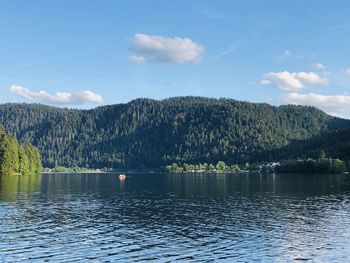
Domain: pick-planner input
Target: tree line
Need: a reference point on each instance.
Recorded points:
(322, 165)
(220, 167)
(148, 133)
(16, 158)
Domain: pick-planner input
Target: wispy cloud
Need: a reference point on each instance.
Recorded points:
(210, 13)
(52, 58)
(320, 30)
(137, 59)
(24, 65)
(256, 38)
(168, 50)
(229, 50)
(347, 72)
(285, 55)
(292, 81)
(318, 66)
(59, 98)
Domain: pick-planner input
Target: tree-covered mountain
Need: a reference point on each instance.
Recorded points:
(335, 144)
(150, 133)
(16, 158)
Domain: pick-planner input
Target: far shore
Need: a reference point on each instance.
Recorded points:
(184, 173)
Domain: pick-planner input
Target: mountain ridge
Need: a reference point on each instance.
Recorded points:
(170, 99)
(150, 133)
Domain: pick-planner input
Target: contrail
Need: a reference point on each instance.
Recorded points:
(307, 33)
(52, 58)
(237, 43)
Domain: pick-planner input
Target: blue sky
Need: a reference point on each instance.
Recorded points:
(88, 53)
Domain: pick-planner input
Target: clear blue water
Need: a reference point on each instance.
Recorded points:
(162, 217)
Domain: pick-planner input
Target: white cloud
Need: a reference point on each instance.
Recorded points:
(137, 59)
(332, 104)
(292, 81)
(88, 96)
(285, 55)
(59, 98)
(159, 49)
(265, 82)
(318, 66)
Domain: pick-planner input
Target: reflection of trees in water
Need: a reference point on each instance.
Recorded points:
(222, 185)
(196, 205)
(188, 207)
(78, 183)
(191, 185)
(217, 185)
(13, 185)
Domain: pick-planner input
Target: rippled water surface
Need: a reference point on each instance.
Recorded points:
(162, 217)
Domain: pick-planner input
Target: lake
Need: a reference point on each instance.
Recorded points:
(165, 217)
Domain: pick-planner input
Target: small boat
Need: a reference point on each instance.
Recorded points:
(122, 177)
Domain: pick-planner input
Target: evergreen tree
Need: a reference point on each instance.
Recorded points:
(148, 133)
(24, 162)
(14, 158)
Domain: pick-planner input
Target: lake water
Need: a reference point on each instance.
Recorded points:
(163, 217)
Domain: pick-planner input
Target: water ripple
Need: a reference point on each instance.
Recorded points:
(165, 218)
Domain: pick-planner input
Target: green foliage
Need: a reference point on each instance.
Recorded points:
(323, 165)
(9, 157)
(220, 167)
(335, 143)
(35, 166)
(149, 134)
(24, 161)
(15, 158)
(62, 169)
(174, 168)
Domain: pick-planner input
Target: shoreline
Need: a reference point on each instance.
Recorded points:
(193, 173)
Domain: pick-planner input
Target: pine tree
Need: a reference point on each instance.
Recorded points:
(14, 158)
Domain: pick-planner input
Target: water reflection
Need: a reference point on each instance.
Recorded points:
(181, 185)
(247, 184)
(12, 186)
(246, 217)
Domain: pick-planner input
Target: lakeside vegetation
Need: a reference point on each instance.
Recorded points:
(320, 165)
(220, 167)
(324, 165)
(147, 134)
(17, 159)
(62, 169)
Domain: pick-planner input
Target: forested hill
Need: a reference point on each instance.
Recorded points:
(335, 144)
(150, 133)
(16, 158)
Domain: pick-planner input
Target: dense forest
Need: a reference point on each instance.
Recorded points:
(335, 143)
(320, 165)
(148, 133)
(16, 158)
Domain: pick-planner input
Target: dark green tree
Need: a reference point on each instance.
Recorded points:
(14, 158)
(148, 133)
